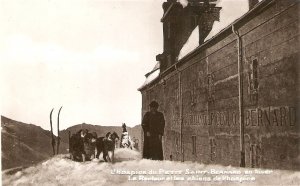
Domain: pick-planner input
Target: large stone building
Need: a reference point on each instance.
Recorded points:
(234, 100)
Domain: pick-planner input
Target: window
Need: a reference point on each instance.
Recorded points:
(255, 155)
(193, 94)
(254, 73)
(213, 145)
(177, 138)
(253, 80)
(177, 143)
(194, 144)
(210, 87)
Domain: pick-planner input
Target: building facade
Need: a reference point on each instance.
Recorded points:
(234, 100)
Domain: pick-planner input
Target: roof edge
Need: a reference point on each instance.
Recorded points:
(237, 23)
(227, 30)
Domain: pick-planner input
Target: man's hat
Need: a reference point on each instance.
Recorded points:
(154, 104)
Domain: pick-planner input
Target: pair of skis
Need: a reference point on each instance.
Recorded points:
(52, 135)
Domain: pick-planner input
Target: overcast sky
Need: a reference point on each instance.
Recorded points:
(89, 56)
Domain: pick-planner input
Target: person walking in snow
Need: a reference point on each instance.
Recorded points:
(153, 125)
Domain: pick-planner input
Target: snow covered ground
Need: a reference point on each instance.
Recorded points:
(131, 170)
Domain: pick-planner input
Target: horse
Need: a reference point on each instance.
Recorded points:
(107, 145)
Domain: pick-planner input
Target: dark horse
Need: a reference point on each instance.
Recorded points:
(107, 145)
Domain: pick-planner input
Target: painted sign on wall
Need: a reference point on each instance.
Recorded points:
(267, 116)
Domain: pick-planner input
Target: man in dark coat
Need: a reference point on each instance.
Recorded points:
(153, 125)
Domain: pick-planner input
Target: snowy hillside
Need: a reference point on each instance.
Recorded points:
(25, 144)
(60, 170)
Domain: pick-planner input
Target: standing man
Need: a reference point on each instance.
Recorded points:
(153, 125)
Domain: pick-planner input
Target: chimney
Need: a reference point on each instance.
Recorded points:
(252, 3)
(179, 23)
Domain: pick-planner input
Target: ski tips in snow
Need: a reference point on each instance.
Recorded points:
(52, 135)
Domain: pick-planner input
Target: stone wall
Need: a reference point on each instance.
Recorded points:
(200, 97)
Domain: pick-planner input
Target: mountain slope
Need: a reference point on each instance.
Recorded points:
(25, 144)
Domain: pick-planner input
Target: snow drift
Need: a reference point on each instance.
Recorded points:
(60, 170)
